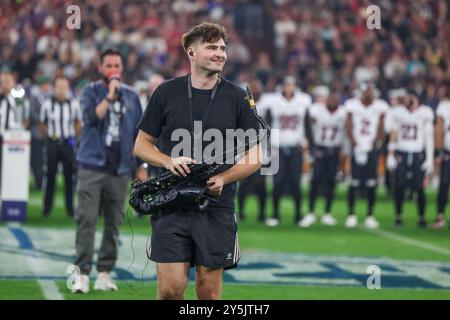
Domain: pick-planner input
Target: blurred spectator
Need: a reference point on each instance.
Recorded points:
(367, 71)
(430, 96)
(320, 41)
(48, 66)
(395, 67)
(26, 65)
(263, 67)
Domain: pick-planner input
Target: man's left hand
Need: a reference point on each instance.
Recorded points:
(428, 166)
(215, 185)
(141, 173)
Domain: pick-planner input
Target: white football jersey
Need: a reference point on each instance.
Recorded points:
(443, 110)
(288, 117)
(388, 119)
(328, 127)
(365, 121)
(410, 127)
(263, 104)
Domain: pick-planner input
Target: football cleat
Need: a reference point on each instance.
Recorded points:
(438, 224)
(307, 221)
(272, 222)
(327, 219)
(351, 221)
(371, 223)
(422, 223)
(398, 222)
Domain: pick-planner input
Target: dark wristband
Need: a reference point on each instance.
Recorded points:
(109, 100)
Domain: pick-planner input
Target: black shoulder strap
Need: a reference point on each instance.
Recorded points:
(211, 100)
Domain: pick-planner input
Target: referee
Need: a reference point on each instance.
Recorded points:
(60, 123)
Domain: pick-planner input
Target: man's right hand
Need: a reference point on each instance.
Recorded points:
(391, 162)
(179, 165)
(113, 88)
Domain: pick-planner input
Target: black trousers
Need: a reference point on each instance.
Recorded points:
(255, 183)
(326, 162)
(58, 151)
(409, 174)
(444, 183)
(364, 178)
(36, 158)
(287, 180)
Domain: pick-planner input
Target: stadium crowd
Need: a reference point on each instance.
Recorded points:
(321, 42)
(318, 42)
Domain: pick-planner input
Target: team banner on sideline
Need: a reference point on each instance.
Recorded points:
(15, 174)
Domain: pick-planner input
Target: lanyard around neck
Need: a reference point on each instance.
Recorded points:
(211, 99)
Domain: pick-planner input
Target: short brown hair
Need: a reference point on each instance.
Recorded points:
(110, 52)
(205, 32)
(60, 77)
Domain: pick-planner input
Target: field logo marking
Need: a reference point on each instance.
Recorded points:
(34, 262)
(45, 254)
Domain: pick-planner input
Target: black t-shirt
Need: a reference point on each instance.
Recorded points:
(169, 109)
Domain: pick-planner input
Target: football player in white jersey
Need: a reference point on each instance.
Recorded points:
(411, 152)
(365, 122)
(396, 98)
(255, 183)
(328, 130)
(287, 113)
(442, 137)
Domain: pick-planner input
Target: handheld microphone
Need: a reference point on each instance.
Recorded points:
(114, 76)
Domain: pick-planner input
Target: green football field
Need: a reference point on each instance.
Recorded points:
(284, 262)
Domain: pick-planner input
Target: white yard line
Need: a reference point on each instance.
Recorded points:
(50, 290)
(409, 241)
(36, 264)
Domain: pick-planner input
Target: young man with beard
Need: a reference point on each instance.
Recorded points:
(110, 112)
(186, 236)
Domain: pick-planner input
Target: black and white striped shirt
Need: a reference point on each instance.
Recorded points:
(12, 114)
(60, 117)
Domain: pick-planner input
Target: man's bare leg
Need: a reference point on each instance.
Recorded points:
(208, 283)
(172, 280)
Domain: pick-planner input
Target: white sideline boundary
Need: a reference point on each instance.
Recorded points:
(409, 241)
